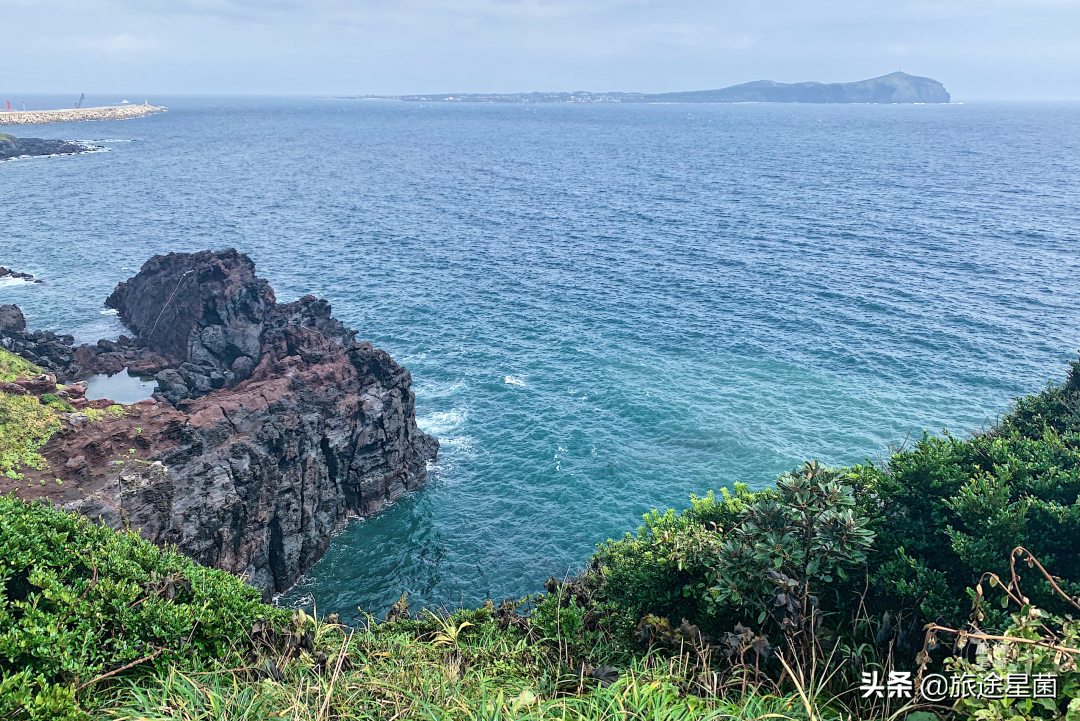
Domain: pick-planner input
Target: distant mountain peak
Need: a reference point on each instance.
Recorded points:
(896, 87)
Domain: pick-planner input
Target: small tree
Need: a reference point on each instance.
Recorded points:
(785, 544)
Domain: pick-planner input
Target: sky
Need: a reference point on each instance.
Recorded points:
(980, 49)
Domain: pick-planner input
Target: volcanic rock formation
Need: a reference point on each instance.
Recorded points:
(12, 147)
(271, 427)
(11, 318)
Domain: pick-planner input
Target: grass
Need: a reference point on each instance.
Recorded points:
(13, 366)
(25, 424)
(96, 414)
(101, 624)
(411, 670)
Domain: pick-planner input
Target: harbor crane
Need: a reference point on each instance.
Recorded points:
(81, 98)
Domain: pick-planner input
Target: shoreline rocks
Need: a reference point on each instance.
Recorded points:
(12, 147)
(11, 318)
(245, 465)
(9, 273)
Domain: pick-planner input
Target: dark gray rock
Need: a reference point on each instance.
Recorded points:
(11, 318)
(12, 147)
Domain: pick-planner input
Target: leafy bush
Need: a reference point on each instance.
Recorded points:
(785, 549)
(664, 569)
(78, 601)
(772, 556)
(941, 513)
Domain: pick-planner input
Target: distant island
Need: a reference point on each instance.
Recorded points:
(895, 87)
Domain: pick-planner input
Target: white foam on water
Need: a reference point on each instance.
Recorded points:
(517, 380)
(441, 424)
(454, 446)
(17, 281)
(110, 311)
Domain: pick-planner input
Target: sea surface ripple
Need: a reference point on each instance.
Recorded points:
(605, 308)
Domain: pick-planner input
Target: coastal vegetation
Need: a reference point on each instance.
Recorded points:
(27, 422)
(953, 556)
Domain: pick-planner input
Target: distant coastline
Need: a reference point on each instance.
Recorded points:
(895, 87)
(78, 115)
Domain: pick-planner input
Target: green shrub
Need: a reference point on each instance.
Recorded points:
(664, 569)
(79, 600)
(943, 512)
(771, 556)
(786, 549)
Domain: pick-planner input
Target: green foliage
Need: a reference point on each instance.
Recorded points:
(25, 426)
(55, 401)
(940, 513)
(79, 600)
(665, 568)
(13, 366)
(1028, 649)
(1033, 643)
(749, 557)
(786, 548)
(96, 414)
(559, 620)
(25, 695)
(949, 509)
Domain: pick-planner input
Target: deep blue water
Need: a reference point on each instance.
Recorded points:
(604, 308)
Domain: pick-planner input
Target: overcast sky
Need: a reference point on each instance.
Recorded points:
(980, 49)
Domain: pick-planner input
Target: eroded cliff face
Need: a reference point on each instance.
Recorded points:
(205, 312)
(271, 427)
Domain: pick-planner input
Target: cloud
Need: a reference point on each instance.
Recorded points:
(404, 46)
(122, 43)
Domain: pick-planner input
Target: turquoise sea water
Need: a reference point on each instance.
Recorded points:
(604, 308)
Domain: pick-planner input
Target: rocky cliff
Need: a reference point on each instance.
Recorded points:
(272, 425)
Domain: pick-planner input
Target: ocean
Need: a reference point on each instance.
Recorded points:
(605, 308)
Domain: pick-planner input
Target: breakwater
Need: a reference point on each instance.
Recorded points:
(77, 115)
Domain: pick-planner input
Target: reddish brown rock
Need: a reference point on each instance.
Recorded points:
(245, 465)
